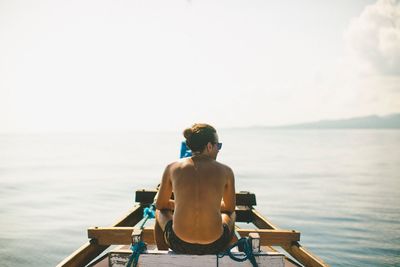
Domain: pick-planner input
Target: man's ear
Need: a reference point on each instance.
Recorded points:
(209, 146)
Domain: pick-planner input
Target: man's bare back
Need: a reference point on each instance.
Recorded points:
(204, 197)
(199, 184)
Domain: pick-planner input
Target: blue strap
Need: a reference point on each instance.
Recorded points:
(148, 213)
(247, 249)
(136, 250)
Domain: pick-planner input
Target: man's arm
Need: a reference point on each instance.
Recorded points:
(228, 203)
(163, 196)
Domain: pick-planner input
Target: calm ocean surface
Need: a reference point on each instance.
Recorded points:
(339, 188)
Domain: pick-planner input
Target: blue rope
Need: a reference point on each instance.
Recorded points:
(247, 249)
(138, 248)
(149, 212)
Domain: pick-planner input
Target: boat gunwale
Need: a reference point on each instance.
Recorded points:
(90, 250)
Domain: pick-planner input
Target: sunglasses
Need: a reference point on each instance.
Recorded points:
(219, 145)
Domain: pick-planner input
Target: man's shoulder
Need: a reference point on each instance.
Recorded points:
(177, 164)
(224, 166)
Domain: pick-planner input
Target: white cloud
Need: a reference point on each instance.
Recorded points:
(373, 38)
(366, 80)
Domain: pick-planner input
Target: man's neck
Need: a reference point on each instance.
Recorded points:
(199, 155)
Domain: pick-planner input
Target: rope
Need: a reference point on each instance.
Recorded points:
(138, 248)
(148, 213)
(245, 243)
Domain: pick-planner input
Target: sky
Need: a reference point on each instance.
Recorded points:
(163, 65)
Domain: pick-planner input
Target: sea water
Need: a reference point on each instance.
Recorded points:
(339, 188)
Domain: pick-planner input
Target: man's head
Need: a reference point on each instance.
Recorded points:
(201, 138)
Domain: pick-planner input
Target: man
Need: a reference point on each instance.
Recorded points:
(201, 218)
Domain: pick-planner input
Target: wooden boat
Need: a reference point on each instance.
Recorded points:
(266, 236)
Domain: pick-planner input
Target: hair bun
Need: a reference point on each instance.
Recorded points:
(187, 133)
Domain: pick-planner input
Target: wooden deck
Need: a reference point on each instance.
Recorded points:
(119, 257)
(100, 238)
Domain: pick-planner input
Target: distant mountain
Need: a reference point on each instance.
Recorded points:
(369, 122)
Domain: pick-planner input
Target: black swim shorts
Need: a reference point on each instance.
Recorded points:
(183, 247)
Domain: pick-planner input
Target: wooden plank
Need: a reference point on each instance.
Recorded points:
(304, 256)
(167, 258)
(262, 222)
(245, 199)
(83, 255)
(298, 252)
(242, 198)
(243, 214)
(145, 196)
(122, 235)
(90, 250)
(118, 235)
(131, 218)
(270, 237)
(101, 261)
(288, 261)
